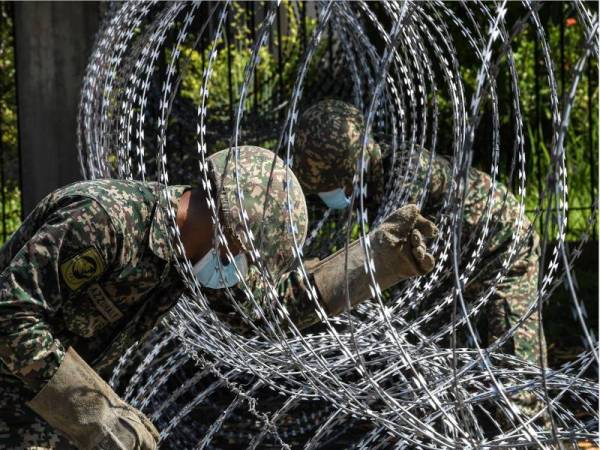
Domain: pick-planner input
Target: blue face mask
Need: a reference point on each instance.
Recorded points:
(211, 272)
(335, 199)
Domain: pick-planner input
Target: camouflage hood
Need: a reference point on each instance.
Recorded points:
(262, 177)
(327, 148)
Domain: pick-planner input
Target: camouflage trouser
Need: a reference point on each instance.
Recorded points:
(20, 427)
(511, 301)
(507, 305)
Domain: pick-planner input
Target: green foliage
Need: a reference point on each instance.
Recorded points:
(273, 83)
(580, 150)
(239, 52)
(7, 76)
(581, 141)
(11, 200)
(534, 93)
(10, 212)
(272, 80)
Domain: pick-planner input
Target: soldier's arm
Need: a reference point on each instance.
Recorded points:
(292, 294)
(478, 186)
(440, 174)
(75, 245)
(504, 207)
(398, 252)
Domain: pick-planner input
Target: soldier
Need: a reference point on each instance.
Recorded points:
(92, 270)
(328, 144)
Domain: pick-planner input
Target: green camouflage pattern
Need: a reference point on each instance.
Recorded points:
(112, 235)
(20, 427)
(507, 303)
(91, 267)
(292, 295)
(327, 148)
(512, 296)
(262, 178)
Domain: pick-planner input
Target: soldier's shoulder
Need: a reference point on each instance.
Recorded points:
(123, 189)
(127, 203)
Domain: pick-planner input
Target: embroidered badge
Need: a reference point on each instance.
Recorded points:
(83, 267)
(103, 303)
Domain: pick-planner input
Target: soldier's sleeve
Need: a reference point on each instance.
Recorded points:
(75, 245)
(294, 296)
(292, 293)
(417, 168)
(440, 173)
(504, 207)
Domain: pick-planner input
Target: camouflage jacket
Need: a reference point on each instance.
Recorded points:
(91, 268)
(504, 210)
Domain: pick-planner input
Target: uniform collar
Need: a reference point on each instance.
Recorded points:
(159, 240)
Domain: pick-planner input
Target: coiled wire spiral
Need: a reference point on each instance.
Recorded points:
(375, 378)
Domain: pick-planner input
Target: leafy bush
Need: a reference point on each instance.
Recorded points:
(274, 82)
(10, 194)
(581, 140)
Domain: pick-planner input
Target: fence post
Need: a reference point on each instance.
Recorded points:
(53, 41)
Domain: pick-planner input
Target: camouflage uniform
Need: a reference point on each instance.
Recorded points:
(510, 298)
(274, 243)
(92, 267)
(328, 143)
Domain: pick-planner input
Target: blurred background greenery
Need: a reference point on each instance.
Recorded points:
(273, 85)
(10, 193)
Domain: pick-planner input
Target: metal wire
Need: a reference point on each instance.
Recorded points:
(382, 376)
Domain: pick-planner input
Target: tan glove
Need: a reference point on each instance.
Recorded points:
(398, 251)
(78, 403)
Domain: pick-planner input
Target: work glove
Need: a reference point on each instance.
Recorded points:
(79, 404)
(398, 251)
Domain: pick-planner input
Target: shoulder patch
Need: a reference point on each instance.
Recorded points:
(103, 304)
(83, 267)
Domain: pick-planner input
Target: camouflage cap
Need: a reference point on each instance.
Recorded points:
(262, 178)
(328, 143)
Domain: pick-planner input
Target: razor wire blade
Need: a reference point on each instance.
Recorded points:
(385, 368)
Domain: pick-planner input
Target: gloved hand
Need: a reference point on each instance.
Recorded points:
(78, 403)
(398, 251)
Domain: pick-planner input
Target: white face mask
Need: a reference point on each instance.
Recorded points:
(335, 199)
(211, 272)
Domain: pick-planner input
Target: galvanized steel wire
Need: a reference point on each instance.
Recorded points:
(372, 367)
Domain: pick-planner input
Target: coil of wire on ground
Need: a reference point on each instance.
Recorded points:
(170, 83)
